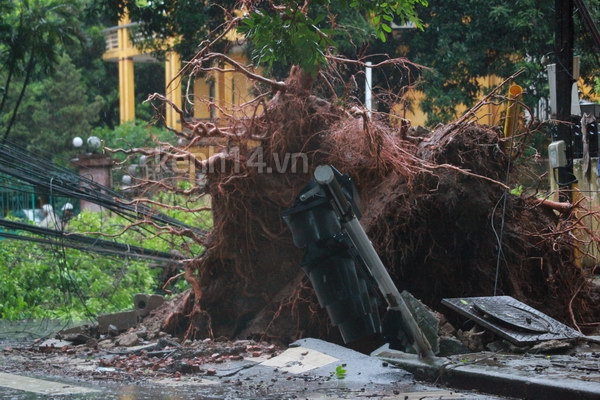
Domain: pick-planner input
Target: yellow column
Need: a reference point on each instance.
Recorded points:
(173, 89)
(229, 88)
(220, 93)
(126, 74)
(201, 99)
(126, 90)
(223, 91)
(239, 85)
(513, 107)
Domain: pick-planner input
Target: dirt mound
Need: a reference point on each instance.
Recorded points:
(437, 209)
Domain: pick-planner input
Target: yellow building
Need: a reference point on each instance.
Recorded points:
(221, 93)
(490, 113)
(120, 49)
(214, 96)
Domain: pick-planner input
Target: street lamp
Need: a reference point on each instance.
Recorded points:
(93, 144)
(77, 142)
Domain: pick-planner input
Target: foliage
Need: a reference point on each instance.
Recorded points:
(133, 134)
(54, 111)
(58, 282)
(474, 39)
(98, 77)
(68, 78)
(517, 190)
(586, 49)
(69, 91)
(471, 40)
(33, 35)
(458, 45)
(298, 33)
(290, 32)
(287, 37)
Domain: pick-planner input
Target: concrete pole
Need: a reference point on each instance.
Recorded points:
(563, 45)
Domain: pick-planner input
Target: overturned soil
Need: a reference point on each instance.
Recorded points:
(436, 207)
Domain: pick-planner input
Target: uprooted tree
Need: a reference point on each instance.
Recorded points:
(437, 208)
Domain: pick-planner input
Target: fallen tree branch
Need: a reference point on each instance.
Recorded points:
(468, 173)
(275, 85)
(562, 207)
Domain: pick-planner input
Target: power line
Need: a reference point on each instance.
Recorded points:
(52, 179)
(82, 242)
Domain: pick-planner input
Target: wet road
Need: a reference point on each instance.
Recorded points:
(312, 369)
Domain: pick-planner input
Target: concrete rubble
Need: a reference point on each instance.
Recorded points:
(310, 368)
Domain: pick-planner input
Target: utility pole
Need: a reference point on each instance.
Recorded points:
(563, 47)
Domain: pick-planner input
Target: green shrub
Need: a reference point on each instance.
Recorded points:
(42, 281)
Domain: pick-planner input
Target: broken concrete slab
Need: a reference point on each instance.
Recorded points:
(331, 367)
(525, 376)
(114, 323)
(121, 320)
(145, 303)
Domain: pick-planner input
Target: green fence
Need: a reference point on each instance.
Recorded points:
(17, 198)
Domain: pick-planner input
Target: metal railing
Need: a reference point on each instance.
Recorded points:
(111, 35)
(112, 40)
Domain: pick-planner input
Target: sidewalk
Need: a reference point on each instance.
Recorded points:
(523, 376)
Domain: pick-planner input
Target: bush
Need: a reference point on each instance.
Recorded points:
(59, 282)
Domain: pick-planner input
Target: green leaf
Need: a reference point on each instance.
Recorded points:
(340, 371)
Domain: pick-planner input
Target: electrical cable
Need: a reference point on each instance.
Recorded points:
(81, 242)
(52, 179)
(499, 237)
(556, 179)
